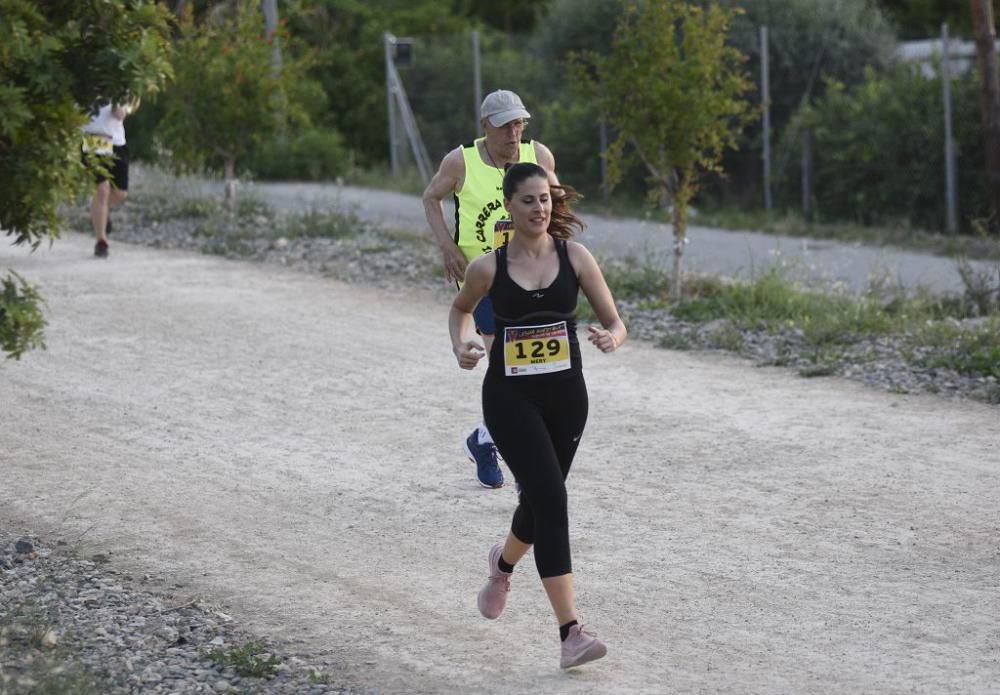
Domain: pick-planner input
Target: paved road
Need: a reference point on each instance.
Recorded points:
(290, 446)
(713, 251)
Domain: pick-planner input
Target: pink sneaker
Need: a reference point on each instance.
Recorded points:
(579, 647)
(493, 597)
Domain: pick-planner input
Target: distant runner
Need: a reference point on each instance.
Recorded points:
(105, 138)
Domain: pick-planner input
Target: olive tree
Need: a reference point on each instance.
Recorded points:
(226, 97)
(673, 92)
(59, 61)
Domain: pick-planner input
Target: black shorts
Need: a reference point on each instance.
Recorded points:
(117, 166)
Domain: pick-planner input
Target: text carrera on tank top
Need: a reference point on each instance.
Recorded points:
(481, 222)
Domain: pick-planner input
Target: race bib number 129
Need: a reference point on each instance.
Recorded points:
(536, 349)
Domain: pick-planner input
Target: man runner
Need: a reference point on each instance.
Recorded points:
(473, 174)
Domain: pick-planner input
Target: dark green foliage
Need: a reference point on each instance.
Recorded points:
(350, 61)
(921, 19)
(309, 155)
(808, 42)
(879, 150)
(226, 98)
(508, 16)
(59, 61)
(21, 319)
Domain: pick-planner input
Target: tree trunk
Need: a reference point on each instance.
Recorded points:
(230, 173)
(986, 57)
(683, 191)
(679, 219)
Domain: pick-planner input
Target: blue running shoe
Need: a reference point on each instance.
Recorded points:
(485, 458)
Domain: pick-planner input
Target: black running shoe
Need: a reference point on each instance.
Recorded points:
(101, 249)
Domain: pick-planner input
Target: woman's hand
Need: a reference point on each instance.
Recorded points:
(468, 354)
(603, 339)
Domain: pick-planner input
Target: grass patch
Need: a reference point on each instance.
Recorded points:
(251, 660)
(774, 302)
(675, 341)
(321, 224)
(44, 666)
(318, 677)
(817, 325)
(817, 371)
(631, 278)
(970, 351)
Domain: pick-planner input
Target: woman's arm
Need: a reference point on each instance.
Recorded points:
(613, 332)
(478, 278)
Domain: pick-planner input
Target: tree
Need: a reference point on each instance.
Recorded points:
(673, 92)
(809, 42)
(863, 140)
(922, 19)
(350, 65)
(509, 16)
(58, 61)
(226, 98)
(986, 58)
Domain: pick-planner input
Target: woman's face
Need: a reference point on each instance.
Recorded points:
(530, 207)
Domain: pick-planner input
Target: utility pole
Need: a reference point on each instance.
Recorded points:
(951, 223)
(477, 82)
(986, 57)
(765, 100)
(390, 97)
(270, 8)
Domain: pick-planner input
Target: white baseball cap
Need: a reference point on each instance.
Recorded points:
(502, 107)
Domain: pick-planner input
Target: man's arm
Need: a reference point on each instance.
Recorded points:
(546, 160)
(445, 182)
(121, 111)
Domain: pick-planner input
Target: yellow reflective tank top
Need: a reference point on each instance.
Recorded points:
(481, 223)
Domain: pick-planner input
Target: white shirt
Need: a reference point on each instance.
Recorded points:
(105, 123)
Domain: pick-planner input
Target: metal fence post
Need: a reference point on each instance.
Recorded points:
(765, 99)
(949, 145)
(387, 41)
(807, 172)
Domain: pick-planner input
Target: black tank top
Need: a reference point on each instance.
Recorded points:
(530, 323)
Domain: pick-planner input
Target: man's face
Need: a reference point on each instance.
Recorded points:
(508, 135)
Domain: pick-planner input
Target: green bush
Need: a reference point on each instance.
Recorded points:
(311, 155)
(879, 150)
(21, 319)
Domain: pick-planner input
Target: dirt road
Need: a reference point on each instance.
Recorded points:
(290, 445)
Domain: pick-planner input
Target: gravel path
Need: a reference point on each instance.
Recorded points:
(285, 447)
(73, 625)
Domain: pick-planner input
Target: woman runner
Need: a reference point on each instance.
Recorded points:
(534, 395)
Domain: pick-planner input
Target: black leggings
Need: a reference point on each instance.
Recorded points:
(537, 425)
